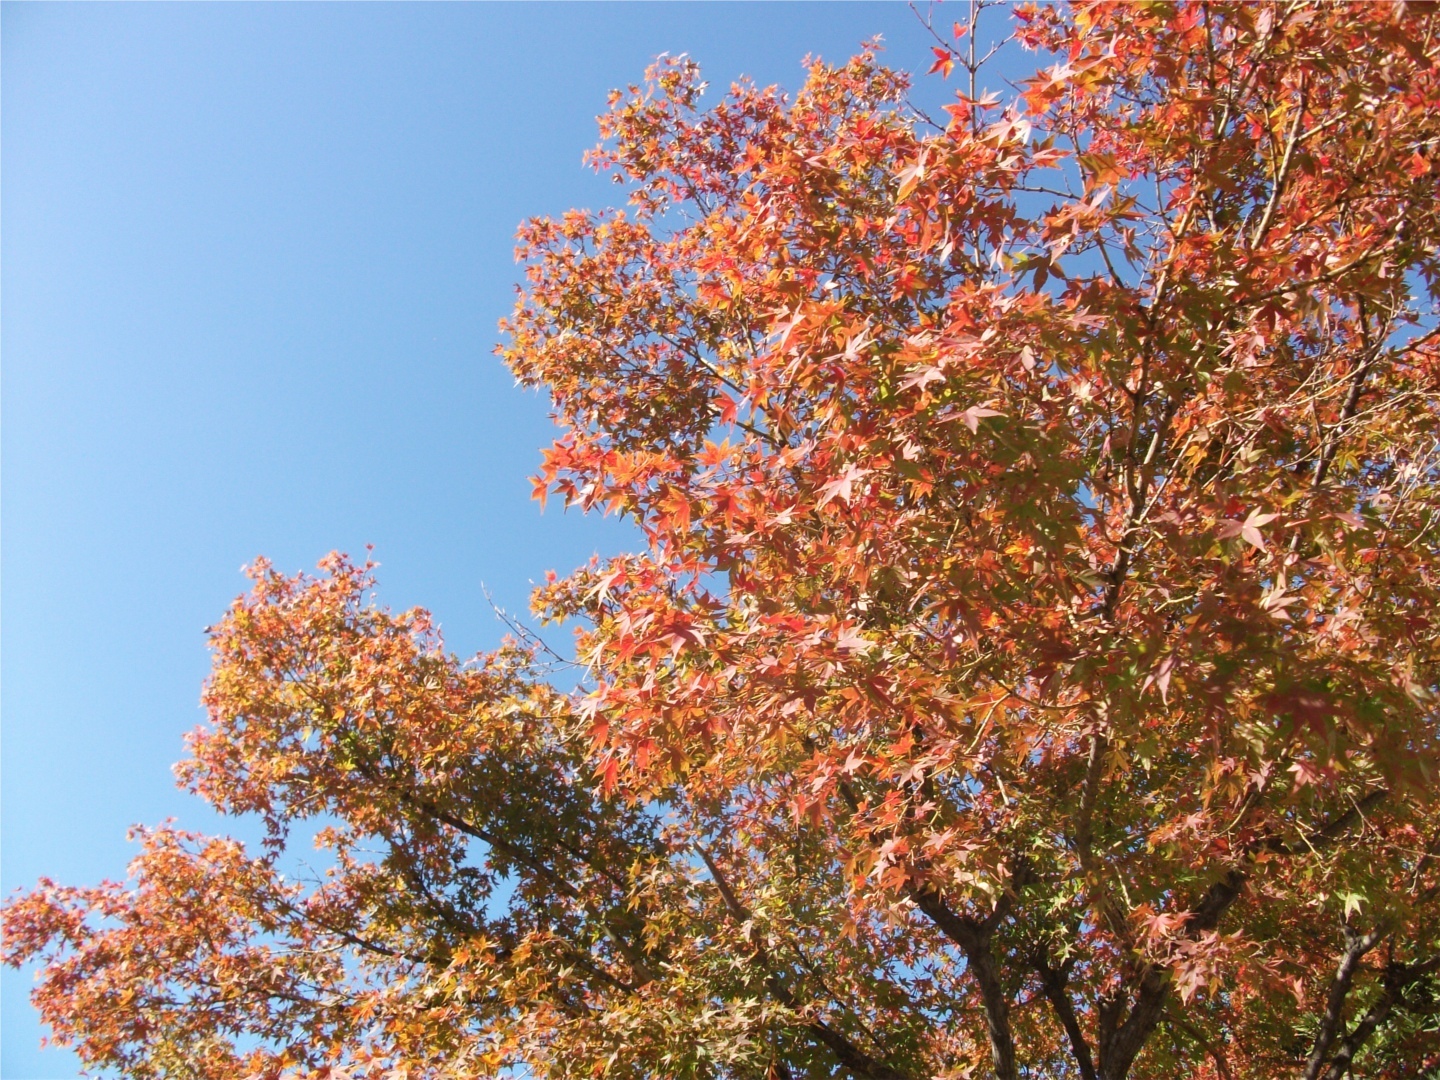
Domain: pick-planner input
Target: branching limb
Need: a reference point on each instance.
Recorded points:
(973, 938)
(1123, 1033)
(1053, 981)
(1356, 946)
(1397, 979)
(846, 1052)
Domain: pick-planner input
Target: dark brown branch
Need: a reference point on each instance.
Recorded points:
(1329, 832)
(633, 954)
(1330, 442)
(1085, 824)
(1053, 981)
(1396, 980)
(973, 938)
(851, 1056)
(1120, 1039)
(1283, 173)
(1356, 946)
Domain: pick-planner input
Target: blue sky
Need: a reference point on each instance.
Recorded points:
(253, 258)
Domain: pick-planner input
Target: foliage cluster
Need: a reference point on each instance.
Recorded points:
(1033, 667)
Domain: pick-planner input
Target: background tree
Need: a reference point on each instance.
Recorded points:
(1033, 667)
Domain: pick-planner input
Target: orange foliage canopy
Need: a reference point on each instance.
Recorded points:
(1033, 668)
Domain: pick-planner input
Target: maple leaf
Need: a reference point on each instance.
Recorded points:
(1275, 601)
(1248, 530)
(842, 487)
(923, 378)
(851, 640)
(683, 635)
(1306, 774)
(1160, 678)
(974, 414)
(910, 177)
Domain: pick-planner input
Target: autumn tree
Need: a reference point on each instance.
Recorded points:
(1033, 667)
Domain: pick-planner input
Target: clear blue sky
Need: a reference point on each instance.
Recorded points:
(253, 258)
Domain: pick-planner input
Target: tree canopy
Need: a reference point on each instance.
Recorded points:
(1033, 666)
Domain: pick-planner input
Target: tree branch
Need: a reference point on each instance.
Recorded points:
(1396, 980)
(846, 1052)
(974, 940)
(1356, 946)
(1121, 1040)
(1053, 981)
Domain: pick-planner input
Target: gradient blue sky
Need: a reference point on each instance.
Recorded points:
(253, 258)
